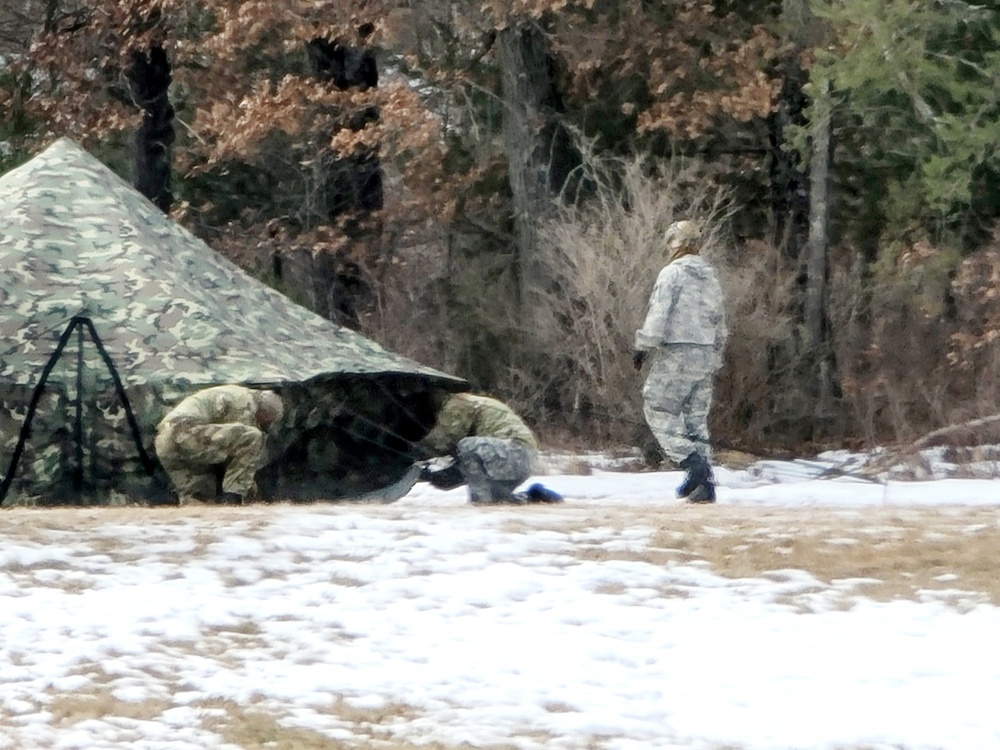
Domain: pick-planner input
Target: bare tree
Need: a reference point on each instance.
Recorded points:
(149, 82)
(529, 122)
(816, 329)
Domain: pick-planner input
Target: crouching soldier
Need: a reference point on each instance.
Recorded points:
(493, 450)
(219, 428)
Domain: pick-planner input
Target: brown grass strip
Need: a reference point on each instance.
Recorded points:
(905, 550)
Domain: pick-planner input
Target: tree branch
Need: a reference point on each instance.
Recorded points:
(972, 424)
(882, 463)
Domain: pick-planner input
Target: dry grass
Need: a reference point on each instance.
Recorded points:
(256, 730)
(253, 728)
(884, 553)
(98, 703)
(45, 524)
(902, 552)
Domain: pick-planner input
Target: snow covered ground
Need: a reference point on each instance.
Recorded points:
(616, 620)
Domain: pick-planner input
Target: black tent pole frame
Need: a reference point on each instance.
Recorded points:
(78, 419)
(79, 320)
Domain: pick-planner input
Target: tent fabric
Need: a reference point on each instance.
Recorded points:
(77, 240)
(77, 243)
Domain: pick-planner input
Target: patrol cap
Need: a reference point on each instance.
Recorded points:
(270, 406)
(682, 233)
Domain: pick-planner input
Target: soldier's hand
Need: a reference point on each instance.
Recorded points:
(638, 359)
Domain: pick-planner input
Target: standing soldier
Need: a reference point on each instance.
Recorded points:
(223, 426)
(685, 331)
(493, 450)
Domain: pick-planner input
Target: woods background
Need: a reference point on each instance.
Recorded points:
(483, 185)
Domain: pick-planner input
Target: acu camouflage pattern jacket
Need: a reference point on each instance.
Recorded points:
(686, 307)
(467, 415)
(221, 404)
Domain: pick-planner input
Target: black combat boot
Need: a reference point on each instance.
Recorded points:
(703, 493)
(538, 493)
(699, 484)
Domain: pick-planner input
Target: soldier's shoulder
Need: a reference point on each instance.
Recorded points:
(490, 402)
(468, 399)
(218, 393)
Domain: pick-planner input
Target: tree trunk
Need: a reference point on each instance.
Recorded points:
(816, 328)
(789, 183)
(149, 81)
(527, 98)
(343, 285)
(352, 183)
(800, 202)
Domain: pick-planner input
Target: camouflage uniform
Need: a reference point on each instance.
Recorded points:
(685, 331)
(213, 427)
(494, 448)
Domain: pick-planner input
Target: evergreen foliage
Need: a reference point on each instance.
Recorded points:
(917, 89)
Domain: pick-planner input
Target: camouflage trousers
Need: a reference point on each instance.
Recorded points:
(494, 467)
(191, 454)
(677, 397)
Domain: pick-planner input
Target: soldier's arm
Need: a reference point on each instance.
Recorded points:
(661, 303)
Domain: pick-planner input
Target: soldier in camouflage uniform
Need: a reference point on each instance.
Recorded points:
(685, 334)
(494, 450)
(220, 426)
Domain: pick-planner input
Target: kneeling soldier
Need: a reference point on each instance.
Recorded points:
(223, 426)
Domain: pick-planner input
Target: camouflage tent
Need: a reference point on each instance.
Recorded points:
(110, 313)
